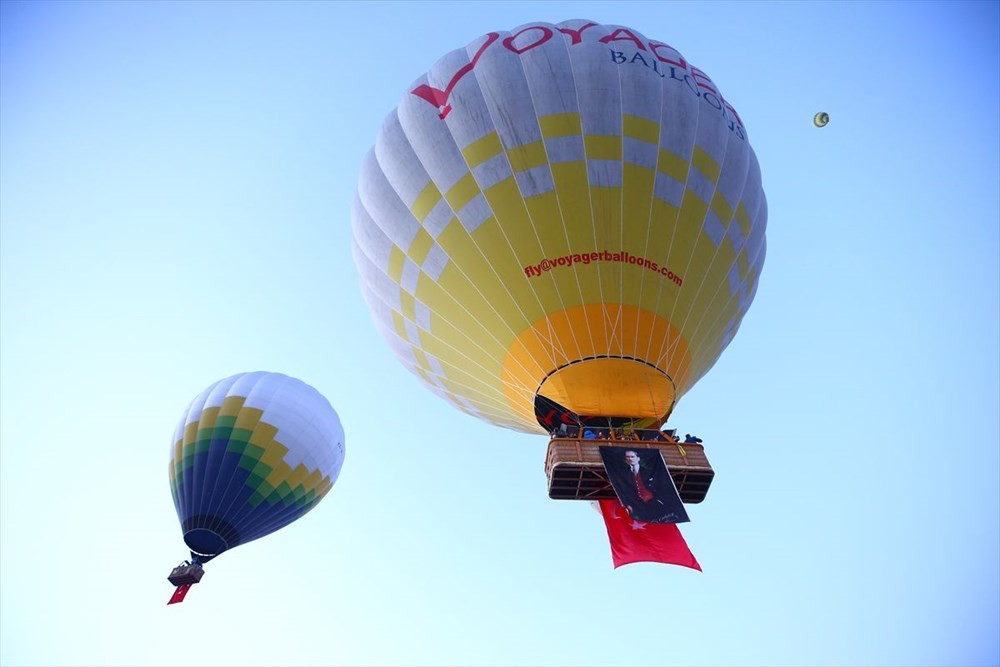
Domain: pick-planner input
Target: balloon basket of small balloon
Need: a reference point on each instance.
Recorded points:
(187, 573)
(575, 469)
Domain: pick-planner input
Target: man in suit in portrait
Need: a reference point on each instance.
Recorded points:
(646, 489)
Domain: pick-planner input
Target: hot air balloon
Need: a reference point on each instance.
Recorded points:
(821, 119)
(563, 225)
(251, 454)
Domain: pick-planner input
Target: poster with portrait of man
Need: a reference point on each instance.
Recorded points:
(643, 484)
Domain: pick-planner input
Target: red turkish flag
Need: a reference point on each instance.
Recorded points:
(179, 594)
(634, 541)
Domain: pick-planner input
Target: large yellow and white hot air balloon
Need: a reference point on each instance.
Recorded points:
(569, 212)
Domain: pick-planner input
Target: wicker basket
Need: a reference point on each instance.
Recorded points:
(186, 574)
(576, 471)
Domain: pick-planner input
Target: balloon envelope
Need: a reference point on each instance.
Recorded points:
(252, 453)
(570, 211)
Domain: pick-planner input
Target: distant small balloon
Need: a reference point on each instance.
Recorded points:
(821, 119)
(251, 454)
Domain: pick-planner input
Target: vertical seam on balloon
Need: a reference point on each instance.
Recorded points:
(619, 325)
(649, 217)
(732, 220)
(256, 523)
(253, 522)
(488, 399)
(755, 219)
(248, 526)
(375, 294)
(551, 334)
(219, 512)
(218, 472)
(431, 334)
(676, 221)
(669, 351)
(200, 507)
(559, 193)
(527, 320)
(200, 484)
(193, 484)
(183, 493)
(172, 475)
(692, 367)
(175, 487)
(735, 262)
(476, 244)
(471, 282)
(649, 226)
(459, 353)
(381, 230)
(196, 487)
(715, 255)
(451, 396)
(562, 217)
(245, 521)
(709, 355)
(386, 329)
(716, 189)
(204, 508)
(590, 198)
(663, 351)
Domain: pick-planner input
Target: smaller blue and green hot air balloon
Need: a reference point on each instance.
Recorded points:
(252, 453)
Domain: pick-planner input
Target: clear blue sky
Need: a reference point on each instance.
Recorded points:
(175, 188)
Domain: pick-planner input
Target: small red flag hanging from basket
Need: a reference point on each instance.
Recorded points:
(635, 541)
(179, 594)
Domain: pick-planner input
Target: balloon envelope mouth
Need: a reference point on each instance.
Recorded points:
(611, 386)
(209, 535)
(205, 542)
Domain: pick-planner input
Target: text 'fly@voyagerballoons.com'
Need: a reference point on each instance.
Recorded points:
(533, 270)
